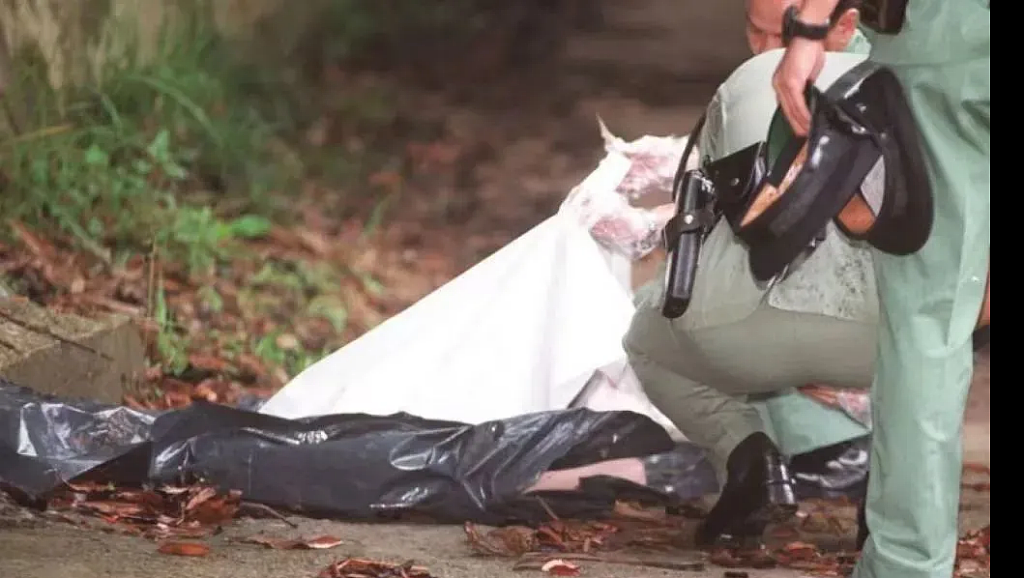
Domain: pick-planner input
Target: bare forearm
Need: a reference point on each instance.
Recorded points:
(816, 11)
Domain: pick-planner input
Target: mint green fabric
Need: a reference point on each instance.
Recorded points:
(930, 300)
(859, 44)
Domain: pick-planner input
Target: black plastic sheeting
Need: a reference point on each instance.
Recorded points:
(45, 440)
(352, 465)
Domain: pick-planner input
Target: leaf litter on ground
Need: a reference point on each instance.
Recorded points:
(660, 541)
(161, 513)
(317, 543)
(365, 568)
(442, 189)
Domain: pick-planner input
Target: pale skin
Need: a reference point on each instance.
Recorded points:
(801, 64)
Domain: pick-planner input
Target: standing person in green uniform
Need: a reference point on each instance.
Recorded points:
(930, 300)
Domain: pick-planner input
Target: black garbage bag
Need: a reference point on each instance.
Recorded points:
(350, 465)
(46, 440)
(364, 466)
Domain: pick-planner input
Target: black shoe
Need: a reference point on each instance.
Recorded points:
(833, 471)
(758, 491)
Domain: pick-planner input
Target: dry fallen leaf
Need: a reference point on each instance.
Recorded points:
(199, 497)
(191, 512)
(322, 542)
(318, 543)
(208, 362)
(363, 568)
(800, 550)
(184, 549)
(627, 510)
(560, 568)
(486, 545)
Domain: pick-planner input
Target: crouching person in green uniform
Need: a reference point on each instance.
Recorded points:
(816, 326)
(930, 300)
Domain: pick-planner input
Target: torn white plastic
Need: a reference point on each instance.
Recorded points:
(536, 326)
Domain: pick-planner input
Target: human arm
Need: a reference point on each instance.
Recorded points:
(800, 65)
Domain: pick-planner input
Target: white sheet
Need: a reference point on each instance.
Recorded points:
(536, 326)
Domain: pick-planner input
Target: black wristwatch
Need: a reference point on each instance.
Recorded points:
(794, 28)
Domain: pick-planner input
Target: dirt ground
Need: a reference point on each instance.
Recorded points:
(681, 49)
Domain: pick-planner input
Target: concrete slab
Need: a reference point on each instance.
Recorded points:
(68, 355)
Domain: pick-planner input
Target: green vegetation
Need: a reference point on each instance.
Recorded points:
(190, 156)
(186, 156)
(113, 164)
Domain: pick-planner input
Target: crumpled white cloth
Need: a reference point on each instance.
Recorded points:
(536, 326)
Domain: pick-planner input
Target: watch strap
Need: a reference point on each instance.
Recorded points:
(792, 27)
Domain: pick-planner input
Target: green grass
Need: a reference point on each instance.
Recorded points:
(180, 157)
(198, 149)
(112, 164)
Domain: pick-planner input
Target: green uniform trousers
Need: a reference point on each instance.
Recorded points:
(701, 378)
(930, 300)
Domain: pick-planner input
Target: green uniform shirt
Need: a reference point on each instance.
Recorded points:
(836, 280)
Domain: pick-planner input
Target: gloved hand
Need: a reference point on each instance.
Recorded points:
(629, 171)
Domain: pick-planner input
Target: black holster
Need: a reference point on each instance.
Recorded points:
(684, 233)
(683, 236)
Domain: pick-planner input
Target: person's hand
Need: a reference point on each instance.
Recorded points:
(800, 65)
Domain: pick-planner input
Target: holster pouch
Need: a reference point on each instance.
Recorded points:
(684, 234)
(735, 179)
(884, 16)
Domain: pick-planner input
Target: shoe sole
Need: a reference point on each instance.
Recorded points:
(754, 524)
